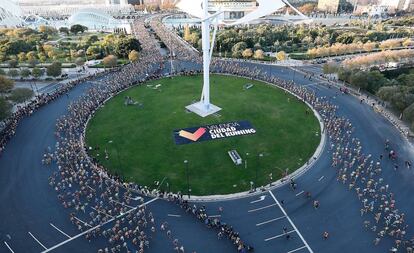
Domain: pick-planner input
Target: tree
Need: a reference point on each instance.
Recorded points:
(16, 46)
(187, 33)
(5, 108)
(125, 45)
(80, 61)
(37, 72)
(54, 69)
(110, 61)
(20, 95)
(92, 39)
(75, 29)
(406, 79)
(408, 43)
(31, 58)
(369, 46)
(330, 68)
(51, 54)
(5, 84)
(13, 63)
(386, 93)
(247, 53)
(281, 56)
(258, 54)
(238, 48)
(133, 56)
(64, 30)
(22, 57)
(307, 8)
(47, 29)
(13, 73)
(93, 50)
(25, 73)
(359, 79)
(408, 113)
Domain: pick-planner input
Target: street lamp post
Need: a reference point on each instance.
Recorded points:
(245, 161)
(255, 182)
(188, 178)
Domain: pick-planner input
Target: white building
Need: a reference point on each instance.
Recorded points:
(10, 14)
(96, 20)
(65, 8)
(398, 5)
(233, 9)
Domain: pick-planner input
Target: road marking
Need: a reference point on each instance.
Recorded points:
(299, 193)
(296, 249)
(320, 179)
(97, 226)
(278, 236)
(260, 208)
(272, 220)
(215, 216)
(290, 221)
(174, 215)
(7, 245)
(86, 224)
(37, 240)
(259, 200)
(102, 212)
(63, 233)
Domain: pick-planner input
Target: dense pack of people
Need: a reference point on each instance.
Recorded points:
(8, 127)
(174, 43)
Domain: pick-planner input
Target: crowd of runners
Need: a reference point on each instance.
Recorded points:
(103, 205)
(8, 127)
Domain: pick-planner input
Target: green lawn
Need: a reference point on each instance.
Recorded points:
(140, 140)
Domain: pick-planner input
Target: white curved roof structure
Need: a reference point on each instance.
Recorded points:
(94, 19)
(264, 8)
(10, 14)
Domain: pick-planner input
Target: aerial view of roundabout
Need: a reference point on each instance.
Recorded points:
(183, 150)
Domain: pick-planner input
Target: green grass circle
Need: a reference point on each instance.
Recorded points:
(141, 148)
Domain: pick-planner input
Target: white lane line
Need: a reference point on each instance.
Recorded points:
(102, 212)
(97, 226)
(84, 223)
(320, 179)
(299, 193)
(259, 200)
(7, 245)
(272, 220)
(215, 216)
(122, 203)
(296, 249)
(278, 236)
(174, 215)
(260, 208)
(291, 223)
(37, 240)
(63, 233)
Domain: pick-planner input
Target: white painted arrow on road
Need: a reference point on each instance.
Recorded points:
(259, 200)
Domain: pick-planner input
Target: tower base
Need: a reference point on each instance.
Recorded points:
(200, 109)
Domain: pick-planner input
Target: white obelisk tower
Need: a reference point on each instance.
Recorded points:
(199, 9)
(204, 107)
